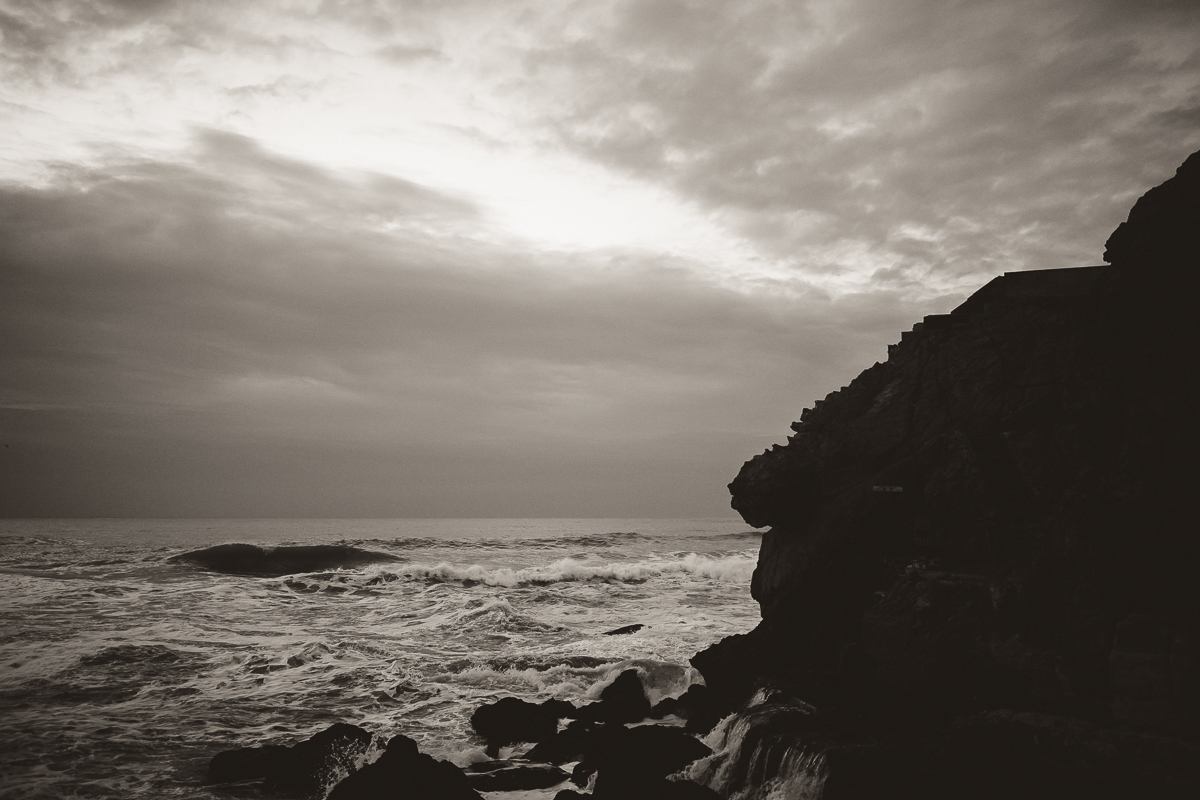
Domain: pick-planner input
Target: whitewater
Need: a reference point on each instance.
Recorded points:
(124, 669)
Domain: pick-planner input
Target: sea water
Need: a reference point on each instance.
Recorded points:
(122, 672)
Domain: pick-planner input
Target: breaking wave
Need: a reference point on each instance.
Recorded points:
(731, 569)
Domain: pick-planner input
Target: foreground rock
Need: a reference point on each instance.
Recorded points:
(623, 700)
(509, 777)
(303, 770)
(997, 517)
(404, 773)
(661, 789)
(780, 741)
(250, 559)
(629, 761)
(510, 720)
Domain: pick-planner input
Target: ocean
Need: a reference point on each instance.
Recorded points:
(122, 671)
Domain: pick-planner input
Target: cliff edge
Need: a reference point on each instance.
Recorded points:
(1000, 518)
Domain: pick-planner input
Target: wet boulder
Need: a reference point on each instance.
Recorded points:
(303, 770)
(246, 764)
(569, 744)
(634, 762)
(696, 705)
(509, 777)
(402, 772)
(511, 719)
(658, 789)
(623, 700)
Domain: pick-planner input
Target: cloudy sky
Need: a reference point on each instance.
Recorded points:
(546, 258)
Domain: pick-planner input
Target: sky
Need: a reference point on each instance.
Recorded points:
(480, 258)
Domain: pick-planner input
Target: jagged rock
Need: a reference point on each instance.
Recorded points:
(569, 744)
(682, 790)
(303, 770)
(624, 630)
(698, 706)
(1154, 666)
(516, 777)
(511, 719)
(682, 706)
(246, 764)
(1162, 225)
(623, 700)
(782, 742)
(660, 789)
(629, 762)
(404, 773)
(967, 522)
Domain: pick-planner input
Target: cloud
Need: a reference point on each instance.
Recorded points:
(44, 39)
(243, 319)
(1024, 124)
(403, 54)
(250, 326)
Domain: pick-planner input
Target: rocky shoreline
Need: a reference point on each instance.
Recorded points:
(605, 745)
(981, 577)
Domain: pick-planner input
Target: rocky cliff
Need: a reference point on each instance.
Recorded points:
(1003, 514)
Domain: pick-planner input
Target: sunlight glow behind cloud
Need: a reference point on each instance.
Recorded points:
(323, 94)
(501, 253)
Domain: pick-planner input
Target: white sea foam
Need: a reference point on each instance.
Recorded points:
(732, 569)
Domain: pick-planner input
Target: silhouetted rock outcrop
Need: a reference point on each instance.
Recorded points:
(515, 777)
(250, 559)
(301, 771)
(623, 700)
(404, 773)
(1000, 515)
(511, 719)
(631, 763)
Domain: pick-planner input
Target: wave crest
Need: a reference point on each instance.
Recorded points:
(731, 569)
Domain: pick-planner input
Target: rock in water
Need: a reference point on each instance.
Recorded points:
(511, 719)
(246, 764)
(404, 773)
(629, 763)
(303, 770)
(569, 744)
(250, 559)
(623, 700)
(517, 777)
(624, 630)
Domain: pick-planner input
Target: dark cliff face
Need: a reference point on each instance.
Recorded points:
(1003, 513)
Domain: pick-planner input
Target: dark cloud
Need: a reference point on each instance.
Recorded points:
(1028, 122)
(403, 54)
(236, 332)
(250, 334)
(75, 42)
